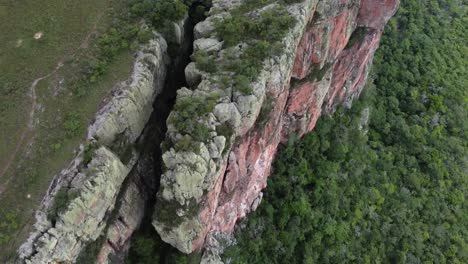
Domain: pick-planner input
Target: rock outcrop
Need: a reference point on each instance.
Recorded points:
(89, 188)
(221, 138)
(142, 181)
(83, 220)
(212, 181)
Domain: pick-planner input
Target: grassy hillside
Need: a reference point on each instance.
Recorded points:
(392, 191)
(64, 24)
(46, 48)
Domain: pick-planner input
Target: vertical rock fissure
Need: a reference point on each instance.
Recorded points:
(148, 171)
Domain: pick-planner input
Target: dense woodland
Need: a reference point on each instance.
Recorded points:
(390, 191)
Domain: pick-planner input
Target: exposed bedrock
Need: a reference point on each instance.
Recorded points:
(206, 184)
(137, 195)
(102, 194)
(207, 187)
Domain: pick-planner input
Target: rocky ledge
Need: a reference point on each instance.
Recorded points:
(83, 196)
(222, 136)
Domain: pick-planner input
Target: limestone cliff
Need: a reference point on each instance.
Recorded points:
(210, 182)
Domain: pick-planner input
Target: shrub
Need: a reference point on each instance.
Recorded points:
(6, 87)
(60, 203)
(88, 152)
(144, 248)
(270, 26)
(188, 115)
(200, 132)
(227, 131)
(261, 33)
(145, 35)
(293, 1)
(242, 84)
(185, 144)
(8, 225)
(265, 111)
(171, 10)
(73, 125)
(139, 9)
(233, 30)
(56, 146)
(357, 36)
(205, 62)
(274, 24)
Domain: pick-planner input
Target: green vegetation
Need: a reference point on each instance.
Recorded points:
(395, 191)
(60, 204)
(357, 36)
(226, 130)
(261, 34)
(265, 112)
(187, 122)
(205, 62)
(88, 152)
(159, 12)
(269, 26)
(72, 125)
(258, 31)
(148, 248)
(8, 225)
(126, 30)
(169, 10)
(165, 211)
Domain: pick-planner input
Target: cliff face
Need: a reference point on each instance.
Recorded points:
(325, 61)
(220, 140)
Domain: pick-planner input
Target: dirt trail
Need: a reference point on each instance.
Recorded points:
(32, 90)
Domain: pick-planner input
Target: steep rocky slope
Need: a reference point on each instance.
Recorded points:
(210, 182)
(94, 205)
(82, 197)
(222, 135)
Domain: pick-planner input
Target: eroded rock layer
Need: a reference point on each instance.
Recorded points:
(209, 184)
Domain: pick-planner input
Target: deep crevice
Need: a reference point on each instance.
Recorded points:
(155, 131)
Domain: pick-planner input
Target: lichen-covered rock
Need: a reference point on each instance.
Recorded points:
(186, 172)
(84, 218)
(324, 62)
(207, 44)
(192, 75)
(126, 114)
(203, 29)
(128, 218)
(96, 185)
(183, 234)
(217, 243)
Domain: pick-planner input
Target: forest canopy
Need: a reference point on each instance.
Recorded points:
(390, 190)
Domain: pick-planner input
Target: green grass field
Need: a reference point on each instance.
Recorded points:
(69, 31)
